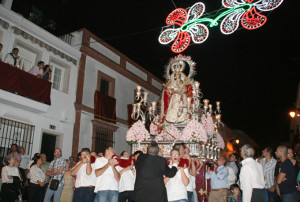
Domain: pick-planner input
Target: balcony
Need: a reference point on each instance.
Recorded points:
(105, 107)
(23, 90)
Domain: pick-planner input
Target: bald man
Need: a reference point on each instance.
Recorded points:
(286, 178)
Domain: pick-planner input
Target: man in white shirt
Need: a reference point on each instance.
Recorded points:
(268, 164)
(85, 178)
(127, 180)
(192, 174)
(176, 186)
(251, 177)
(38, 70)
(12, 58)
(25, 158)
(108, 177)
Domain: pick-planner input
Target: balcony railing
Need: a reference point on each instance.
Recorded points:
(24, 84)
(105, 107)
(67, 38)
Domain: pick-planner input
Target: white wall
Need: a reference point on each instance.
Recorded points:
(61, 113)
(124, 94)
(124, 87)
(86, 131)
(63, 130)
(120, 139)
(104, 51)
(130, 67)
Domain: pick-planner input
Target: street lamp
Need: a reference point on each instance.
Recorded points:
(294, 113)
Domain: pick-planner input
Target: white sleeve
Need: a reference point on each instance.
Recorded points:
(8, 59)
(118, 168)
(246, 184)
(36, 70)
(4, 174)
(29, 164)
(187, 173)
(98, 163)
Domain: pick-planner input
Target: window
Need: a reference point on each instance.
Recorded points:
(104, 86)
(13, 132)
(57, 76)
(104, 138)
(28, 58)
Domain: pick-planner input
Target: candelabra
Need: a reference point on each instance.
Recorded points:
(194, 105)
(142, 102)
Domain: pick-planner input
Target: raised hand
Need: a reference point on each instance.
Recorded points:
(85, 160)
(114, 162)
(88, 157)
(176, 162)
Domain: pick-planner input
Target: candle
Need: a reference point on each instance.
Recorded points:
(134, 108)
(189, 100)
(206, 101)
(197, 84)
(218, 117)
(139, 106)
(145, 97)
(154, 105)
(138, 88)
(210, 108)
(218, 103)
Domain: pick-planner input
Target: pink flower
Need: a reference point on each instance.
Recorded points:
(194, 132)
(137, 133)
(220, 141)
(208, 124)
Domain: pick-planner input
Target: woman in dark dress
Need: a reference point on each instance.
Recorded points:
(47, 76)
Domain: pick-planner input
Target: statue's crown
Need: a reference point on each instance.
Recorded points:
(178, 66)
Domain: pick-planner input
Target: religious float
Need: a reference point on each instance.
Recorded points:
(181, 116)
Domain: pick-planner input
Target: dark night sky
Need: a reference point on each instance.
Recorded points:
(253, 73)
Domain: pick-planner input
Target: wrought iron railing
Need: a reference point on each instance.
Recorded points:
(13, 132)
(104, 137)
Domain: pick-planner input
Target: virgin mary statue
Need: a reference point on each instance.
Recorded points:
(175, 95)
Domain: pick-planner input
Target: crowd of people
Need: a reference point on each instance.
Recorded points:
(40, 70)
(106, 177)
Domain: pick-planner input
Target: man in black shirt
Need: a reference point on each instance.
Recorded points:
(150, 170)
(286, 176)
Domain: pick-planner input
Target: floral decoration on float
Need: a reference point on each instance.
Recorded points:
(180, 116)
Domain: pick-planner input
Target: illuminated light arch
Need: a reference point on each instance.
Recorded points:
(192, 26)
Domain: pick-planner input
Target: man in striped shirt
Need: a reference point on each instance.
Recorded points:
(268, 163)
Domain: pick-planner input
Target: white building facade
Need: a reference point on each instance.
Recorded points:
(37, 126)
(104, 69)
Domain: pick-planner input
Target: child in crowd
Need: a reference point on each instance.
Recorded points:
(236, 195)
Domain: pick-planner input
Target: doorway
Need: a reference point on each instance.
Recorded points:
(48, 145)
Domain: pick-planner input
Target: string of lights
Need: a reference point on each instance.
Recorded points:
(191, 25)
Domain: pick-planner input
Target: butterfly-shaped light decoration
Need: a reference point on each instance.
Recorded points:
(198, 32)
(191, 23)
